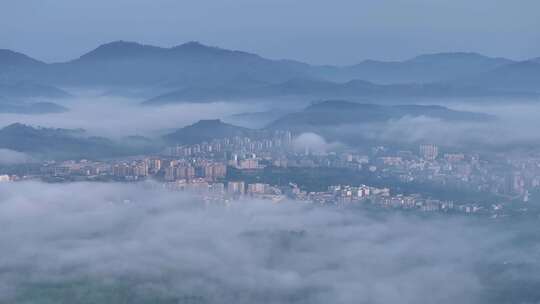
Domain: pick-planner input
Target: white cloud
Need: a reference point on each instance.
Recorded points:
(313, 143)
(116, 116)
(10, 157)
(68, 240)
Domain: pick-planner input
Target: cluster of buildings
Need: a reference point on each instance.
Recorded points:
(507, 176)
(382, 197)
(228, 191)
(204, 168)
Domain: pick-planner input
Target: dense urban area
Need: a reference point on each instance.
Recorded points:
(271, 166)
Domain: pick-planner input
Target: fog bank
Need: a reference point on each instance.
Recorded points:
(117, 116)
(137, 243)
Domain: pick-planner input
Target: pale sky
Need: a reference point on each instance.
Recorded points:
(314, 31)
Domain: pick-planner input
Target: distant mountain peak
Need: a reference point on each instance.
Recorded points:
(12, 58)
(206, 130)
(208, 122)
(17, 126)
(126, 49)
(120, 43)
(22, 129)
(212, 124)
(449, 55)
(118, 49)
(333, 103)
(198, 47)
(359, 82)
(331, 113)
(372, 61)
(10, 53)
(193, 44)
(453, 54)
(462, 56)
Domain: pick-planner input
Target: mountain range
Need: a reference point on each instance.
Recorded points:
(321, 117)
(421, 69)
(516, 76)
(206, 130)
(123, 63)
(308, 88)
(332, 113)
(199, 72)
(318, 116)
(57, 143)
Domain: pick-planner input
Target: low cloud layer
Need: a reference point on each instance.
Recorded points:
(516, 126)
(313, 143)
(117, 116)
(118, 243)
(427, 129)
(10, 157)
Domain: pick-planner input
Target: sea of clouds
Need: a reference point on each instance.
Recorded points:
(137, 243)
(112, 116)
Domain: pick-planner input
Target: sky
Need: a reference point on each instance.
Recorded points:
(315, 31)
